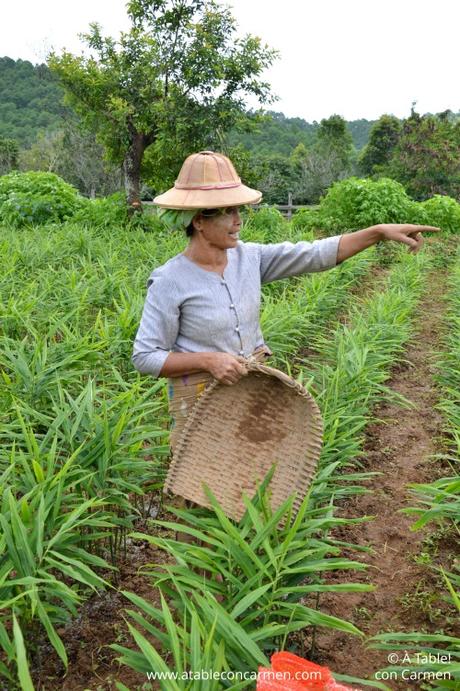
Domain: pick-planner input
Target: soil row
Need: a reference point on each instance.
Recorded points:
(401, 446)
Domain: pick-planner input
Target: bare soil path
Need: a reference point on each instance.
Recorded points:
(401, 446)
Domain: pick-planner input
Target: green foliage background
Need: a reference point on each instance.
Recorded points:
(31, 101)
(277, 154)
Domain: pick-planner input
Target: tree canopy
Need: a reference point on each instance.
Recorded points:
(272, 152)
(383, 137)
(9, 155)
(175, 82)
(422, 152)
(426, 158)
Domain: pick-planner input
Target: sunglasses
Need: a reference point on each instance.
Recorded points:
(227, 211)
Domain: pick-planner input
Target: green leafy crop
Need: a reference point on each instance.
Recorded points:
(35, 198)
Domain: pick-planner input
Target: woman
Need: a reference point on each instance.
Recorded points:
(201, 314)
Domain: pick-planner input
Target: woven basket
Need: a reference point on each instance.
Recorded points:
(234, 434)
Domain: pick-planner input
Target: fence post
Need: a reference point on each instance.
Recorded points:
(289, 211)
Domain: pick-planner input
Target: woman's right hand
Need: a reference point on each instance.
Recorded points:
(226, 368)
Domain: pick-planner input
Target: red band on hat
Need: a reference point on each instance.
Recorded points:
(216, 186)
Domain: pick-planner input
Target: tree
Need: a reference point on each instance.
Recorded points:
(9, 152)
(74, 154)
(45, 152)
(333, 138)
(426, 159)
(330, 158)
(315, 172)
(30, 100)
(277, 178)
(174, 82)
(383, 138)
(84, 164)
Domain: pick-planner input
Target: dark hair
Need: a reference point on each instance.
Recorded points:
(189, 230)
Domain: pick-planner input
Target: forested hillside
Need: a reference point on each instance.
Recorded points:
(31, 101)
(279, 134)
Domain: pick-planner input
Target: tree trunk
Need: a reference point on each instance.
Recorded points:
(132, 172)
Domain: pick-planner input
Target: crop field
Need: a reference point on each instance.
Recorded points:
(97, 589)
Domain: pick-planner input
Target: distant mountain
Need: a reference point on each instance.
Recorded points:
(31, 100)
(279, 134)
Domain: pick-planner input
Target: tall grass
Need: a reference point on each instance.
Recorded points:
(258, 572)
(83, 438)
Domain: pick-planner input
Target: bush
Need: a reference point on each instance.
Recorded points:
(358, 203)
(147, 221)
(265, 225)
(105, 212)
(35, 198)
(112, 211)
(306, 220)
(442, 211)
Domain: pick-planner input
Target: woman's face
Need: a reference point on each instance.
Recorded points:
(219, 227)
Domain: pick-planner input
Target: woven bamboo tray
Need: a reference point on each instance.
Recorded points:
(234, 434)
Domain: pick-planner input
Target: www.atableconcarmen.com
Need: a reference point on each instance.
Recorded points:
(229, 675)
(408, 673)
(401, 658)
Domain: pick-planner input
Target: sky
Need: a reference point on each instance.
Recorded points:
(357, 58)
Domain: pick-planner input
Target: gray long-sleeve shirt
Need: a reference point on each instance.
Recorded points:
(189, 309)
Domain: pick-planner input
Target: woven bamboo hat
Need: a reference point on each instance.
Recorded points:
(207, 180)
(234, 434)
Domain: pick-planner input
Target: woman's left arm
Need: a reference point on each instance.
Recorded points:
(352, 243)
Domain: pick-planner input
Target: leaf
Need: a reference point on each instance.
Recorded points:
(236, 539)
(54, 639)
(232, 633)
(38, 470)
(314, 617)
(455, 596)
(5, 642)
(21, 549)
(249, 600)
(154, 660)
(172, 630)
(21, 658)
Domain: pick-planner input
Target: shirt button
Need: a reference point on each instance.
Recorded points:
(241, 352)
(237, 328)
(232, 306)
(224, 283)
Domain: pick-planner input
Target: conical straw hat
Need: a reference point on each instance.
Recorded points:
(207, 180)
(234, 434)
